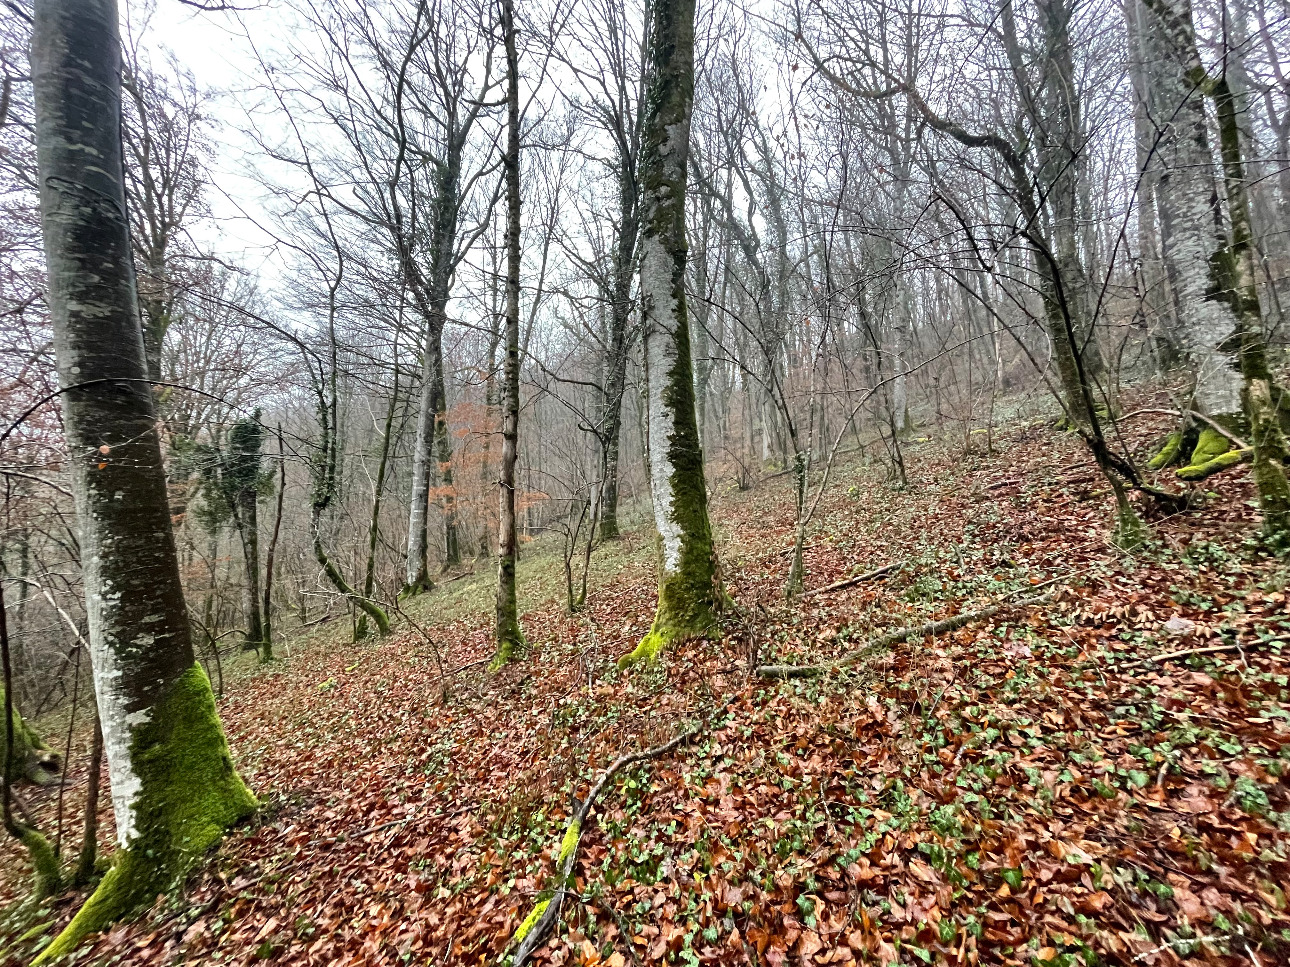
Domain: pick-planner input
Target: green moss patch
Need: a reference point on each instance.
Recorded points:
(190, 794)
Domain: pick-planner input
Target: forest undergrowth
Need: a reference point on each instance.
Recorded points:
(1039, 787)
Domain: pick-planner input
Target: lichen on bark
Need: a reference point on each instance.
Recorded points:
(689, 590)
(189, 794)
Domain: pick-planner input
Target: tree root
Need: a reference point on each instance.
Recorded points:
(546, 913)
(893, 638)
(1225, 460)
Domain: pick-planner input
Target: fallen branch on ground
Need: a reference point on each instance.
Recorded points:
(894, 638)
(533, 930)
(851, 582)
(1210, 650)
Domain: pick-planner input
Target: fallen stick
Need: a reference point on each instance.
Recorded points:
(349, 837)
(1000, 484)
(894, 638)
(1209, 650)
(530, 934)
(851, 582)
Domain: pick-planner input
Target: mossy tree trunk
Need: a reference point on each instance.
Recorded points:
(1206, 325)
(509, 638)
(1231, 295)
(1236, 272)
(18, 753)
(616, 363)
(31, 757)
(266, 653)
(241, 475)
(174, 789)
(689, 590)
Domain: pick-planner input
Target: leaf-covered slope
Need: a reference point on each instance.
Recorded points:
(1026, 789)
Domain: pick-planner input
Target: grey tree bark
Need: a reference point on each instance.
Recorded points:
(508, 637)
(689, 584)
(174, 788)
(1190, 215)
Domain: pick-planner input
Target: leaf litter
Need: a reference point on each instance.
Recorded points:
(1027, 789)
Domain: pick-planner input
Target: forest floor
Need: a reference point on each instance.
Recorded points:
(1033, 788)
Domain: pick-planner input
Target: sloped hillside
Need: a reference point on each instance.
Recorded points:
(1092, 772)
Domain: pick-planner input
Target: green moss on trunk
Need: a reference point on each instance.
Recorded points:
(189, 795)
(1270, 458)
(49, 876)
(569, 844)
(1168, 452)
(530, 922)
(1199, 471)
(688, 598)
(31, 757)
(1210, 446)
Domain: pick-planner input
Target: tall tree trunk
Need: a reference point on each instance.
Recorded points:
(417, 577)
(1190, 215)
(619, 321)
(1236, 271)
(443, 456)
(509, 638)
(378, 491)
(1050, 202)
(266, 653)
(249, 531)
(174, 788)
(689, 585)
(89, 852)
(612, 420)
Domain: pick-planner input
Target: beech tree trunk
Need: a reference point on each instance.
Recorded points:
(1157, 300)
(689, 590)
(619, 317)
(1191, 219)
(174, 788)
(508, 635)
(432, 458)
(1236, 275)
(424, 457)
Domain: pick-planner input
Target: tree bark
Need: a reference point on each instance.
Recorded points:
(1190, 214)
(378, 492)
(266, 653)
(689, 588)
(174, 788)
(1236, 273)
(509, 638)
(619, 320)
(88, 855)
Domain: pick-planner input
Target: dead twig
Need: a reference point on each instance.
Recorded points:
(1208, 650)
(893, 638)
(851, 582)
(545, 915)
